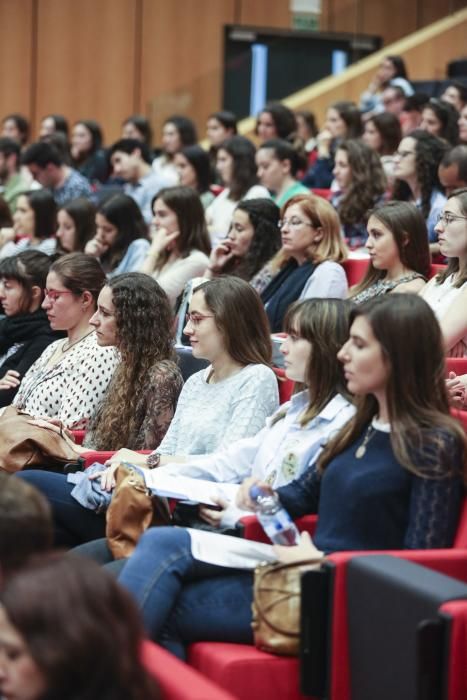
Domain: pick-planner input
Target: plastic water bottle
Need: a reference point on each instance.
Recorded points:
(275, 521)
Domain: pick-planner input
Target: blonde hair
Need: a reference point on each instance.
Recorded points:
(322, 215)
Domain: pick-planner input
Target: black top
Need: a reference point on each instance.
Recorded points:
(23, 339)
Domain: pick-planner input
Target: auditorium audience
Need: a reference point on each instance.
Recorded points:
(447, 292)
(12, 183)
(44, 657)
(399, 252)
(411, 116)
(343, 121)
(137, 127)
(440, 118)
(34, 225)
(25, 528)
(229, 400)
(402, 439)
(462, 124)
(456, 94)
(361, 183)
(452, 170)
(121, 240)
(293, 437)
(69, 379)
(16, 127)
(253, 239)
(308, 263)
(25, 331)
(131, 161)
(416, 171)
(383, 134)
(87, 153)
(237, 169)
(219, 127)
(278, 163)
(46, 165)
(180, 243)
(194, 170)
(76, 225)
(53, 124)
(391, 71)
(177, 132)
(276, 121)
(307, 131)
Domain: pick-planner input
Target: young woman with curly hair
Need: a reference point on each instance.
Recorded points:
(416, 171)
(133, 315)
(97, 657)
(252, 240)
(361, 180)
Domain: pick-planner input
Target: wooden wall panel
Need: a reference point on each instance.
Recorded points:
(16, 46)
(86, 60)
(265, 13)
(182, 56)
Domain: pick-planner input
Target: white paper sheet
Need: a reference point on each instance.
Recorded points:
(232, 552)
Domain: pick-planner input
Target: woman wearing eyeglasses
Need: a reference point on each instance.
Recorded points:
(308, 263)
(447, 292)
(69, 379)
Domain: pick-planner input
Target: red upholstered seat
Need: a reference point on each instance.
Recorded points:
(355, 269)
(246, 671)
(456, 364)
(176, 679)
(286, 386)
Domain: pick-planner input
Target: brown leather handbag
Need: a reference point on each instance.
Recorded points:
(276, 605)
(23, 445)
(132, 510)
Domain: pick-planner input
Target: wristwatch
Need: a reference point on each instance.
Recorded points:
(153, 460)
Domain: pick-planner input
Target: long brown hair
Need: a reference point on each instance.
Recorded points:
(325, 324)
(453, 263)
(240, 316)
(367, 184)
(193, 233)
(38, 601)
(144, 338)
(411, 343)
(408, 228)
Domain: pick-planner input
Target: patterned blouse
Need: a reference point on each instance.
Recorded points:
(154, 410)
(72, 389)
(383, 286)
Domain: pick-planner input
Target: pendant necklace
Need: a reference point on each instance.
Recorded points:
(361, 449)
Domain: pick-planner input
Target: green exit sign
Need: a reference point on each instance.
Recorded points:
(306, 22)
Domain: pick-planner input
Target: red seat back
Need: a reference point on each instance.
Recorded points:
(355, 269)
(456, 364)
(286, 386)
(435, 268)
(321, 192)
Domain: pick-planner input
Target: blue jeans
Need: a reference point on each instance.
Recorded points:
(184, 600)
(73, 524)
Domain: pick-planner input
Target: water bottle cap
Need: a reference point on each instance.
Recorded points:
(255, 492)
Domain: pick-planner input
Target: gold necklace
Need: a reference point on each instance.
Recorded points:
(361, 449)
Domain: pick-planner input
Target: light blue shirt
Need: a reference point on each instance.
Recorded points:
(133, 258)
(145, 190)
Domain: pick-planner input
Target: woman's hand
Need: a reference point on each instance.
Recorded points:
(163, 240)
(10, 379)
(95, 247)
(324, 139)
(214, 517)
(6, 234)
(220, 256)
(243, 499)
(456, 387)
(305, 549)
(107, 477)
